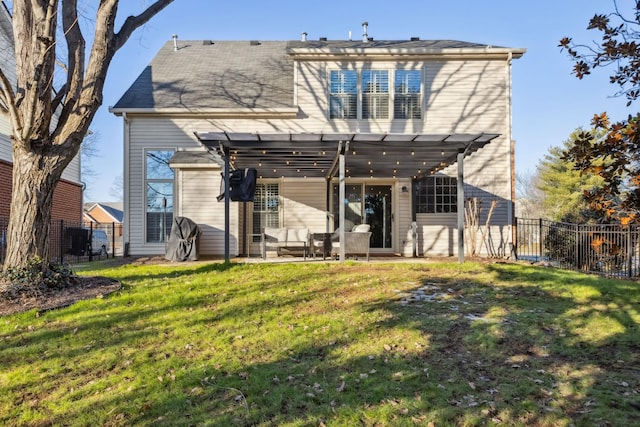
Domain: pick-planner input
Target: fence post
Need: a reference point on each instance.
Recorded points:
(90, 241)
(113, 241)
(540, 239)
(576, 257)
(62, 241)
(629, 252)
(514, 251)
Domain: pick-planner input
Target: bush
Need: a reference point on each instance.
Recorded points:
(35, 279)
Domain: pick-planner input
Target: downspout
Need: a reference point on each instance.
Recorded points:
(511, 148)
(125, 195)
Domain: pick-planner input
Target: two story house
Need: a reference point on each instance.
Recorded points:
(397, 134)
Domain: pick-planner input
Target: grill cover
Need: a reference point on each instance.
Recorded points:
(183, 241)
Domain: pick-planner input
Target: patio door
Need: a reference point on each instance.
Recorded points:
(368, 204)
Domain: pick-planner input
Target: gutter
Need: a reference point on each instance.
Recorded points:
(275, 113)
(488, 52)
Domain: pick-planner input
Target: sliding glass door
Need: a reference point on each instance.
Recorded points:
(367, 204)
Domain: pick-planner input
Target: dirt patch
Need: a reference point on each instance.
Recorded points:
(83, 288)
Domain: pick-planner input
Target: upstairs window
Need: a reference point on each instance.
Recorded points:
(344, 94)
(407, 100)
(375, 94)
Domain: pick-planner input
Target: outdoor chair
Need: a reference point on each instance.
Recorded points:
(356, 241)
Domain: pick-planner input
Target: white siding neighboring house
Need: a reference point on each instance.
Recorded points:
(406, 107)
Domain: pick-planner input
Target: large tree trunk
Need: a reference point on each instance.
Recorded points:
(31, 202)
(42, 147)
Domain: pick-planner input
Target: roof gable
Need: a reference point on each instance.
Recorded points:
(112, 211)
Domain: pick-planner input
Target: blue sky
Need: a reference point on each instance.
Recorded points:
(548, 102)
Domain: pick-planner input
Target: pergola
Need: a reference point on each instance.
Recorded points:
(344, 155)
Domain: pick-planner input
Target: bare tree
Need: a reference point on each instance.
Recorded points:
(529, 198)
(88, 152)
(41, 148)
(117, 188)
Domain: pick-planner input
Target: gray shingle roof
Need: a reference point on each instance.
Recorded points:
(243, 74)
(229, 74)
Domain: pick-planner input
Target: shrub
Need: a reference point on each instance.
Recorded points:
(35, 279)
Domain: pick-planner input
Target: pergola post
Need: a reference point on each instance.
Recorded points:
(328, 207)
(227, 200)
(460, 206)
(341, 193)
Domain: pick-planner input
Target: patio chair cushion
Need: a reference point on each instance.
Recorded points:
(285, 239)
(277, 236)
(361, 228)
(297, 237)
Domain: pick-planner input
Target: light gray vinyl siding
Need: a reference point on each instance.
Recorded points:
(437, 234)
(7, 59)
(145, 134)
(304, 204)
(5, 142)
(196, 192)
(465, 96)
(72, 172)
(402, 214)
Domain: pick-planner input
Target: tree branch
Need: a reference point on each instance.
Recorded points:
(105, 44)
(75, 60)
(38, 86)
(8, 97)
(134, 22)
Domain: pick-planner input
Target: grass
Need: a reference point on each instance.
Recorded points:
(328, 344)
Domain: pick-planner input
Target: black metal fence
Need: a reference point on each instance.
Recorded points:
(74, 242)
(611, 249)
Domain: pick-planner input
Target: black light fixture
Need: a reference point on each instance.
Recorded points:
(405, 189)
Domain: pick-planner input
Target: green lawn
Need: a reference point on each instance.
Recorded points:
(312, 344)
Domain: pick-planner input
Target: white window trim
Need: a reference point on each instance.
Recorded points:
(145, 192)
(392, 93)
